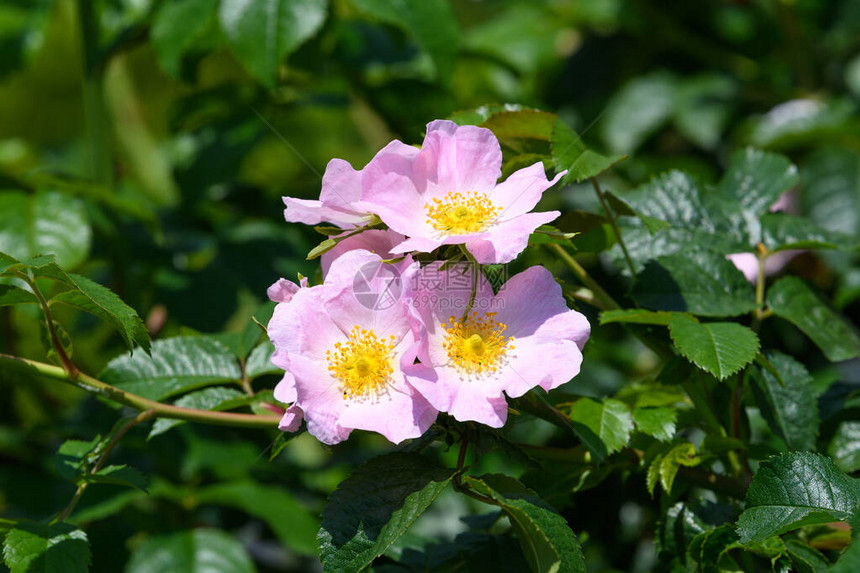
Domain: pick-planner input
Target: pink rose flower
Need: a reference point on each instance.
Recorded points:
(342, 189)
(342, 343)
(510, 342)
(448, 194)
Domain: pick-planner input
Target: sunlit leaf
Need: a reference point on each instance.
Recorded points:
(175, 365)
(54, 548)
(796, 489)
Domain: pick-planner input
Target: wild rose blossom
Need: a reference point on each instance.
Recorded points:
(342, 189)
(448, 194)
(508, 343)
(344, 354)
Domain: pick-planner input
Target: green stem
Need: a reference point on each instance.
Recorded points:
(614, 224)
(759, 313)
(99, 388)
(8, 524)
(581, 274)
(68, 365)
(458, 477)
(142, 417)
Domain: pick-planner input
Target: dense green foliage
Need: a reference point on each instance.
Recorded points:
(144, 149)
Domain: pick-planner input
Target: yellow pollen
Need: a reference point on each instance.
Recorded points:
(460, 214)
(362, 364)
(476, 345)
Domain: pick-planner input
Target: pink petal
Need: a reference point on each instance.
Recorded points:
(418, 245)
(459, 158)
(466, 400)
(285, 390)
(324, 427)
(302, 325)
(522, 190)
(292, 419)
(376, 241)
(341, 185)
(365, 291)
(505, 240)
(536, 290)
(747, 263)
(533, 362)
(393, 197)
(282, 291)
(400, 414)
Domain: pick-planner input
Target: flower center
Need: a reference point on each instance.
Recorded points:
(362, 364)
(476, 345)
(460, 214)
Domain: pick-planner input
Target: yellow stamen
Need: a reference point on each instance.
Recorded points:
(460, 214)
(362, 365)
(476, 345)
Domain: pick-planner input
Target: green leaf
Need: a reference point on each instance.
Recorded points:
(263, 32)
(721, 348)
(710, 549)
(209, 550)
(623, 209)
(666, 465)
(73, 457)
(260, 361)
(217, 398)
(38, 548)
(792, 490)
(635, 316)
(44, 223)
(830, 180)
(547, 541)
(176, 365)
(697, 281)
(10, 294)
(755, 179)
(609, 421)
(374, 506)
(639, 109)
(674, 197)
(791, 299)
(324, 246)
(805, 559)
(91, 297)
(510, 125)
(844, 448)
(569, 152)
(175, 27)
(657, 422)
(118, 475)
(431, 22)
(790, 407)
(294, 525)
(781, 232)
